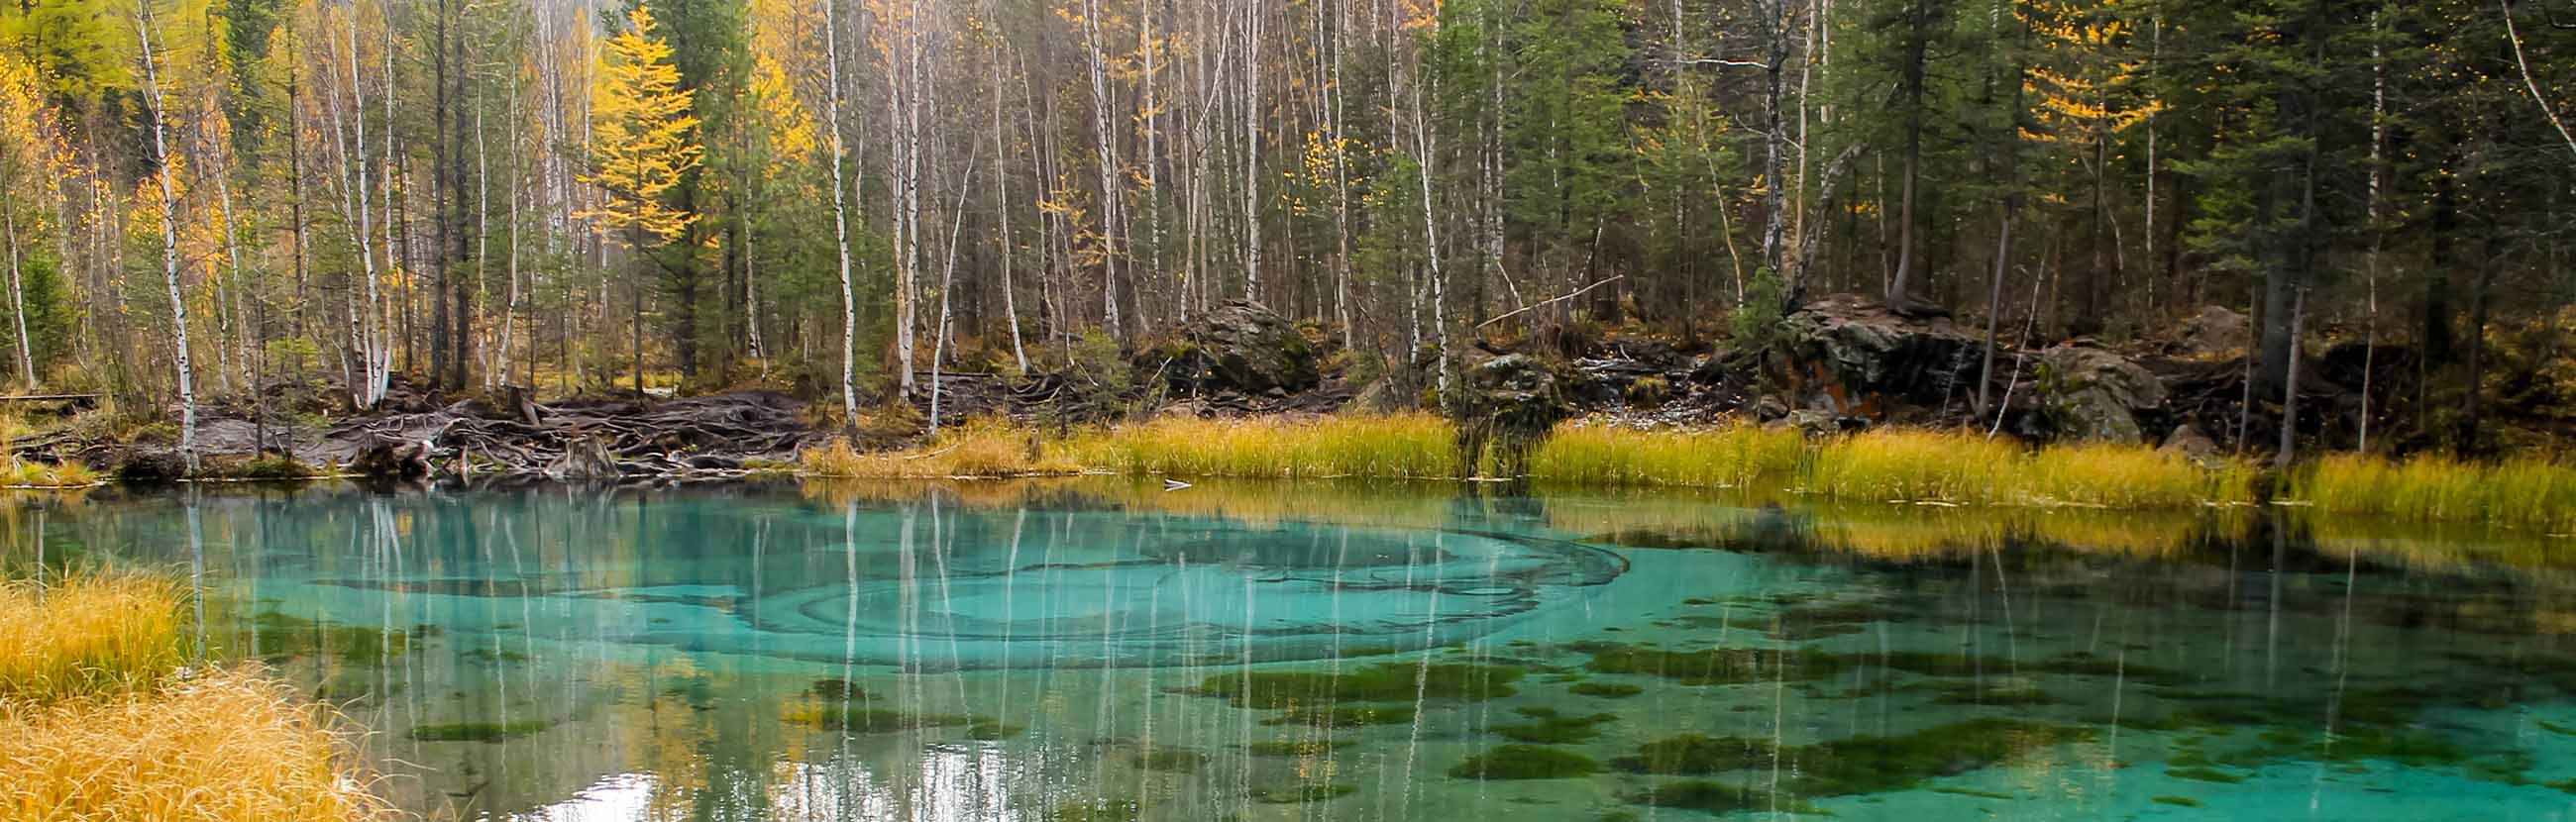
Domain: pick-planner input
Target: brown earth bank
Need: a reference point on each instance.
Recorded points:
(1839, 363)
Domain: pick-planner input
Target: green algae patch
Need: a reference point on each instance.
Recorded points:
(1106, 810)
(1548, 727)
(1302, 793)
(1383, 682)
(1170, 760)
(1974, 792)
(1719, 798)
(880, 721)
(1342, 716)
(1605, 690)
(277, 637)
(2204, 775)
(1861, 764)
(1695, 754)
(1299, 748)
(1525, 762)
(2177, 801)
(476, 731)
(835, 688)
(1740, 666)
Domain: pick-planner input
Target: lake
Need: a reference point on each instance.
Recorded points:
(1100, 649)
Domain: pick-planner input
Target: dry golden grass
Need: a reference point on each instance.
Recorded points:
(1732, 456)
(2531, 492)
(230, 746)
(1388, 446)
(976, 448)
(1916, 465)
(94, 634)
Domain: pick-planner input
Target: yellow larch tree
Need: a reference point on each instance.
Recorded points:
(643, 137)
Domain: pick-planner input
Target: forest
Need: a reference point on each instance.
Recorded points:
(223, 201)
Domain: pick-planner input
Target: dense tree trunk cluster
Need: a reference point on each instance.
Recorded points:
(575, 199)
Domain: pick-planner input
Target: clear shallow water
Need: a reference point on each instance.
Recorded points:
(1101, 650)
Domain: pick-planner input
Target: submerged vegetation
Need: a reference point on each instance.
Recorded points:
(98, 720)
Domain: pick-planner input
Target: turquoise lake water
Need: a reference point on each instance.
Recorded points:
(1103, 650)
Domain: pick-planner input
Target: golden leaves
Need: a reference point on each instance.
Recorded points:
(642, 134)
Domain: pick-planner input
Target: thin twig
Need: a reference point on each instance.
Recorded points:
(1556, 299)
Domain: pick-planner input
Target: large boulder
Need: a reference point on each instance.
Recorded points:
(1510, 403)
(1855, 356)
(1241, 346)
(2096, 395)
(2215, 330)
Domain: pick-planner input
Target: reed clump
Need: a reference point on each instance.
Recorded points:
(2526, 492)
(977, 448)
(227, 746)
(90, 635)
(1732, 456)
(1964, 468)
(1388, 446)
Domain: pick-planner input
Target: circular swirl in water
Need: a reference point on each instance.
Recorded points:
(1171, 592)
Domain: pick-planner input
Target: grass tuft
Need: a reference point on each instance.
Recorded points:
(87, 636)
(1732, 456)
(2528, 492)
(1917, 465)
(1391, 446)
(976, 448)
(230, 746)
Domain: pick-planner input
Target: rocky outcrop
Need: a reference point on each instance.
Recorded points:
(1509, 403)
(2096, 395)
(1854, 357)
(2188, 442)
(1240, 346)
(2215, 330)
(151, 464)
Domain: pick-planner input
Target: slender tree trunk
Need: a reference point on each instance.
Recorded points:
(840, 216)
(169, 242)
(18, 299)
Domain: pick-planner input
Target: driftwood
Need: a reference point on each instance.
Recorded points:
(509, 435)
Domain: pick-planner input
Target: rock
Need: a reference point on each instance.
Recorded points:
(2188, 441)
(2095, 395)
(152, 465)
(1861, 355)
(584, 457)
(1509, 402)
(1769, 408)
(2216, 330)
(1241, 346)
(389, 458)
